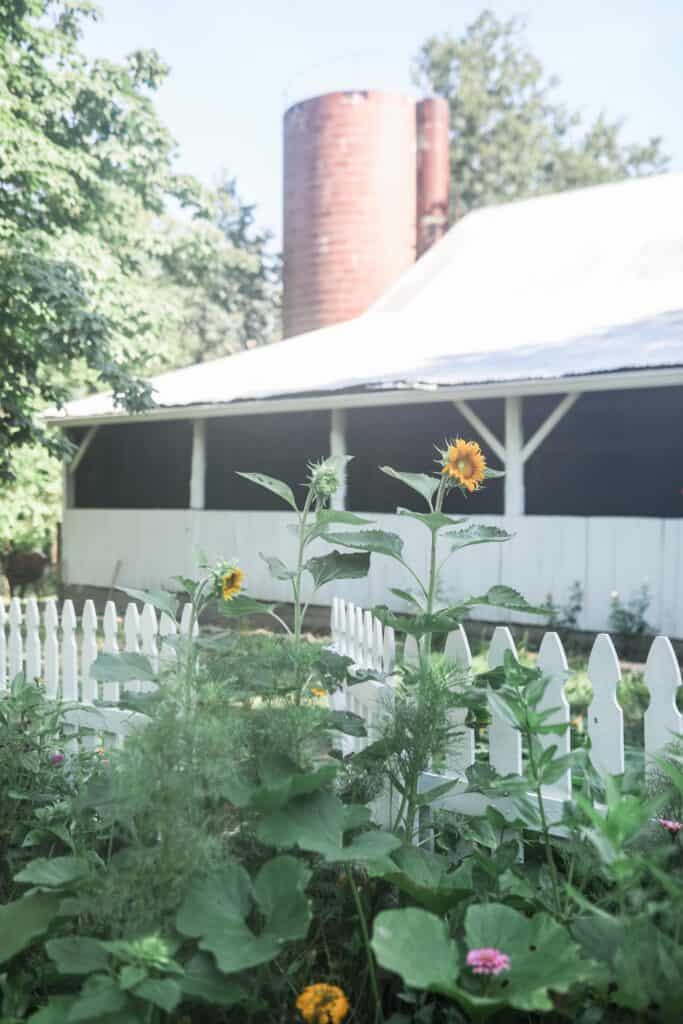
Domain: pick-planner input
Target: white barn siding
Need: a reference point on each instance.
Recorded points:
(547, 555)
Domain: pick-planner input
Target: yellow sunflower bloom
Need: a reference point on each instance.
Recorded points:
(322, 1004)
(231, 583)
(464, 462)
(317, 691)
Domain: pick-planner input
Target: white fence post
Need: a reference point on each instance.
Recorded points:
(88, 652)
(552, 661)
(16, 643)
(663, 720)
(505, 743)
(605, 717)
(460, 755)
(51, 649)
(3, 649)
(33, 658)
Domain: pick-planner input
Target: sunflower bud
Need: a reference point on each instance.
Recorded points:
(324, 480)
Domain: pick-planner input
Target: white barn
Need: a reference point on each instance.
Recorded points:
(551, 330)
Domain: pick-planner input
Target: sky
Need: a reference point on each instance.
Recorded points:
(237, 64)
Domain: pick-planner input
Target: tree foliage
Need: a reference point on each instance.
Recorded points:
(96, 281)
(510, 137)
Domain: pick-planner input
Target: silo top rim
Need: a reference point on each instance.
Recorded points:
(397, 94)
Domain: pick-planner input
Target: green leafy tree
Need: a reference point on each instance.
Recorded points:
(510, 137)
(222, 278)
(96, 282)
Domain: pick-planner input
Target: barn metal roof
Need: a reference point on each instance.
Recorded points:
(542, 290)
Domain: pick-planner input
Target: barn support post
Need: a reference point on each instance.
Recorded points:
(514, 457)
(69, 471)
(338, 447)
(198, 469)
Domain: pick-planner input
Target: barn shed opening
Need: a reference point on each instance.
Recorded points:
(404, 436)
(136, 465)
(280, 445)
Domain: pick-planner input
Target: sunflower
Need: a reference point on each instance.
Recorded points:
(464, 462)
(317, 691)
(322, 1004)
(231, 583)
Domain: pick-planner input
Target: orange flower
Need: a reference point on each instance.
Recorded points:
(464, 462)
(322, 1004)
(232, 583)
(317, 691)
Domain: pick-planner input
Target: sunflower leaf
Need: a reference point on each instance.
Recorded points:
(278, 487)
(420, 482)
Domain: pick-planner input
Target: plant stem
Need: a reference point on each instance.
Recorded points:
(296, 587)
(544, 827)
(366, 942)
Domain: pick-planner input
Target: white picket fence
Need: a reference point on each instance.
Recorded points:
(58, 651)
(357, 634)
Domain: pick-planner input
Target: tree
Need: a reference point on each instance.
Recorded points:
(510, 138)
(224, 280)
(97, 283)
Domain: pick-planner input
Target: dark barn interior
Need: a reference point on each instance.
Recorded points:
(615, 453)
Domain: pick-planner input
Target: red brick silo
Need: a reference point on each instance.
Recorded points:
(433, 171)
(349, 204)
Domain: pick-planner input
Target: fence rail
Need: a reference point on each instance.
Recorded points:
(58, 651)
(356, 633)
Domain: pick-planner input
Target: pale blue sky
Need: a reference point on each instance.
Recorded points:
(236, 64)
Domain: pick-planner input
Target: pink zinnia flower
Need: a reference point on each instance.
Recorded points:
(488, 961)
(57, 758)
(672, 827)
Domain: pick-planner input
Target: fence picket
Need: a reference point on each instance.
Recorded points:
(51, 649)
(505, 743)
(460, 754)
(16, 642)
(131, 632)
(33, 651)
(389, 650)
(552, 661)
(605, 717)
(3, 649)
(149, 628)
(360, 645)
(663, 720)
(89, 688)
(69, 653)
(110, 624)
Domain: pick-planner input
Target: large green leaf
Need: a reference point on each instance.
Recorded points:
(280, 780)
(100, 996)
(318, 823)
(122, 668)
(77, 955)
(53, 872)
(159, 599)
(419, 625)
(278, 569)
(416, 945)
(477, 533)
(432, 520)
(336, 566)
(420, 482)
(162, 992)
(242, 605)
(377, 542)
(24, 920)
(202, 980)
(278, 487)
(427, 878)
(647, 969)
(505, 597)
(55, 1011)
(543, 956)
(215, 911)
(333, 517)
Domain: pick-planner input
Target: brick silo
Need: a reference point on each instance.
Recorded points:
(349, 203)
